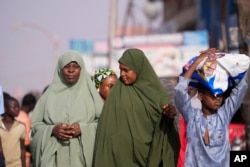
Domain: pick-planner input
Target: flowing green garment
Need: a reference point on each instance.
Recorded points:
(132, 131)
(64, 103)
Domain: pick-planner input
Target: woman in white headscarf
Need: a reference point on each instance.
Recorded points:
(65, 118)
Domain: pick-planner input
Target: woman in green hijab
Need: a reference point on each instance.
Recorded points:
(132, 130)
(65, 118)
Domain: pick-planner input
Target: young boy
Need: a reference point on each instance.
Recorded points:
(12, 134)
(207, 128)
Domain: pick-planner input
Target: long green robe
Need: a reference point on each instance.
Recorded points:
(64, 103)
(132, 131)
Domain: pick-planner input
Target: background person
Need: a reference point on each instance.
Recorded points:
(104, 80)
(27, 105)
(12, 134)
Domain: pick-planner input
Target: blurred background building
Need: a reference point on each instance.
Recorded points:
(176, 30)
(34, 34)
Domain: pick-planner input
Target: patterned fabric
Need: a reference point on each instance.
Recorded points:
(101, 74)
(216, 153)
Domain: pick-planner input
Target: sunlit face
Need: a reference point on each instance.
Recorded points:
(106, 85)
(71, 72)
(128, 76)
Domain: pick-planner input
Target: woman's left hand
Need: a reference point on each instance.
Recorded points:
(75, 128)
(169, 111)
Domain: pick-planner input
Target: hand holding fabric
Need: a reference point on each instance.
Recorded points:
(169, 111)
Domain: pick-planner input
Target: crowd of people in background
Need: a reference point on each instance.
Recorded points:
(118, 120)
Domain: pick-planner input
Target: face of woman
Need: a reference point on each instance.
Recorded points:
(106, 86)
(71, 72)
(128, 76)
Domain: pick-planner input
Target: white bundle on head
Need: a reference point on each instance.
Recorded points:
(218, 70)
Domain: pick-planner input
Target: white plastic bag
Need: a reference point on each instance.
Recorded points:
(234, 64)
(220, 69)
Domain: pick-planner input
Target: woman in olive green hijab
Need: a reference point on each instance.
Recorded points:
(132, 131)
(65, 117)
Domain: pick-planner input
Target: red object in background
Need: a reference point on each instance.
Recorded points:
(183, 142)
(236, 130)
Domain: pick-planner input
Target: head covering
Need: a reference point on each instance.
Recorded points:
(66, 103)
(101, 74)
(131, 116)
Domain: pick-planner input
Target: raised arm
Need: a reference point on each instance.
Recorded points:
(182, 98)
(198, 60)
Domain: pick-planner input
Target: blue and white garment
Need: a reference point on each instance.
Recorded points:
(217, 152)
(1, 101)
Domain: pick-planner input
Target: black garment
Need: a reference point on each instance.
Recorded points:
(2, 160)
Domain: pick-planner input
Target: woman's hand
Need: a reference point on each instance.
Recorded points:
(62, 131)
(169, 111)
(65, 131)
(75, 127)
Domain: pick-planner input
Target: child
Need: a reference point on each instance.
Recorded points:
(12, 134)
(207, 128)
(104, 79)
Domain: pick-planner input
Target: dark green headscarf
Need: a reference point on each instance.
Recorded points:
(129, 132)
